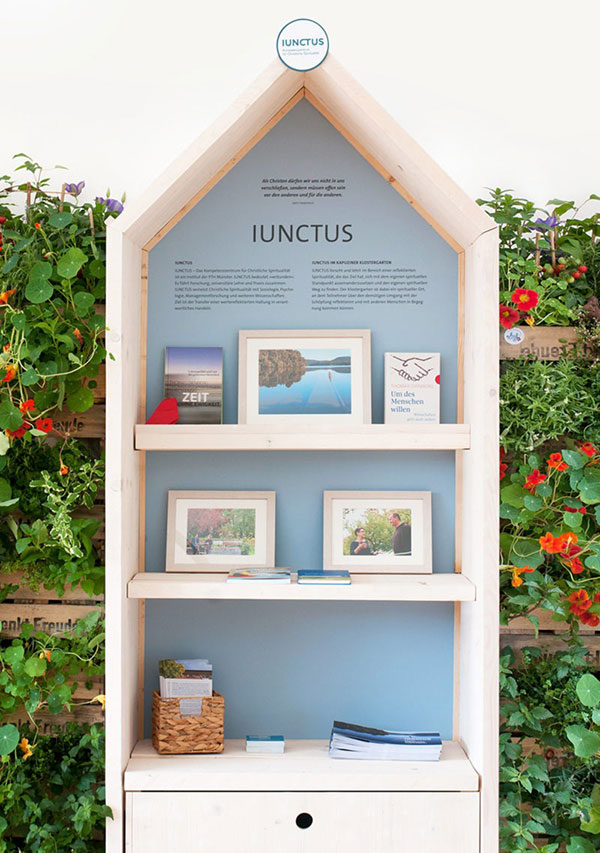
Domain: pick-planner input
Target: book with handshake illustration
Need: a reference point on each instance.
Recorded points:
(351, 741)
(412, 387)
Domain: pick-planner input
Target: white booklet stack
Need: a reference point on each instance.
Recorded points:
(180, 678)
(351, 741)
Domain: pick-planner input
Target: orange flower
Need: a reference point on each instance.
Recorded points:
(580, 602)
(550, 543)
(566, 542)
(517, 580)
(47, 653)
(591, 619)
(555, 460)
(63, 470)
(77, 334)
(37, 225)
(6, 348)
(5, 295)
(11, 372)
(26, 406)
(534, 479)
(44, 424)
(588, 449)
(27, 748)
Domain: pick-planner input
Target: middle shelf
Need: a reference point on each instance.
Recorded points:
(434, 587)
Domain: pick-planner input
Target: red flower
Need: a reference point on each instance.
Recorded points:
(4, 296)
(533, 480)
(44, 424)
(596, 598)
(63, 470)
(555, 460)
(37, 225)
(566, 543)
(10, 374)
(591, 619)
(502, 451)
(575, 565)
(525, 299)
(588, 449)
(503, 470)
(580, 602)
(20, 432)
(508, 316)
(26, 406)
(77, 334)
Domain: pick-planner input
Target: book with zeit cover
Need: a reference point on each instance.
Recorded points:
(194, 376)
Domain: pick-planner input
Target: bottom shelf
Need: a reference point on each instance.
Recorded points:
(304, 766)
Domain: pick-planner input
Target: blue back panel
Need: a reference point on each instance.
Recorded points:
(290, 668)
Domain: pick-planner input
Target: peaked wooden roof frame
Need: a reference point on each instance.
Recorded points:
(473, 235)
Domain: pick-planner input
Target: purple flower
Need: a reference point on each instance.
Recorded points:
(545, 224)
(74, 189)
(112, 204)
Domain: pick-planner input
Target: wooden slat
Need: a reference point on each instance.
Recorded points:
(47, 722)
(522, 625)
(544, 342)
(88, 424)
(50, 618)
(555, 757)
(71, 593)
(554, 643)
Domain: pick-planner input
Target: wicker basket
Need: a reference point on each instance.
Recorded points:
(174, 733)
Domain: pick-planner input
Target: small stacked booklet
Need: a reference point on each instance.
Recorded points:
(351, 741)
(336, 576)
(265, 743)
(259, 576)
(180, 678)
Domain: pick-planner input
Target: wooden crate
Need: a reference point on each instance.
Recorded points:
(555, 757)
(88, 424)
(544, 342)
(26, 594)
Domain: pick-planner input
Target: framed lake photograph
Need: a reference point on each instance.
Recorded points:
(377, 532)
(219, 531)
(304, 376)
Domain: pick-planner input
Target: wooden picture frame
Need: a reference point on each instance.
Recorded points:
(192, 545)
(409, 549)
(339, 386)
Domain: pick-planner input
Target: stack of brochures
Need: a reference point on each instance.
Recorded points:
(336, 576)
(259, 576)
(350, 741)
(265, 743)
(180, 678)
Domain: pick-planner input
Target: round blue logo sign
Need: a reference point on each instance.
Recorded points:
(302, 44)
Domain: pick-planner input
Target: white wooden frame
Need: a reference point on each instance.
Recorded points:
(472, 234)
(268, 498)
(329, 561)
(363, 335)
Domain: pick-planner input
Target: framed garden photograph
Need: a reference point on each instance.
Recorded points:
(377, 532)
(220, 531)
(321, 376)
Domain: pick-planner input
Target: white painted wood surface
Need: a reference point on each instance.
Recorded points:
(435, 587)
(304, 766)
(266, 823)
(478, 681)
(250, 437)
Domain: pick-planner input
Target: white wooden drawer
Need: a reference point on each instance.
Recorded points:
(237, 822)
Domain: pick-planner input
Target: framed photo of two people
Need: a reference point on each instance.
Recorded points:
(378, 532)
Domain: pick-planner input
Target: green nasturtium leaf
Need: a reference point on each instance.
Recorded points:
(83, 301)
(60, 220)
(35, 667)
(578, 844)
(96, 268)
(38, 288)
(80, 400)
(5, 490)
(588, 690)
(513, 495)
(19, 321)
(585, 742)
(71, 262)
(9, 738)
(13, 654)
(589, 486)
(10, 416)
(574, 459)
(533, 503)
(526, 552)
(29, 377)
(544, 490)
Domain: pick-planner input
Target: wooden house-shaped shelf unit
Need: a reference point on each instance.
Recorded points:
(429, 643)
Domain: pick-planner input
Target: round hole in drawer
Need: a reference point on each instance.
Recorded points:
(304, 820)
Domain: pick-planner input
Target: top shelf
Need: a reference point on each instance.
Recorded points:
(302, 437)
